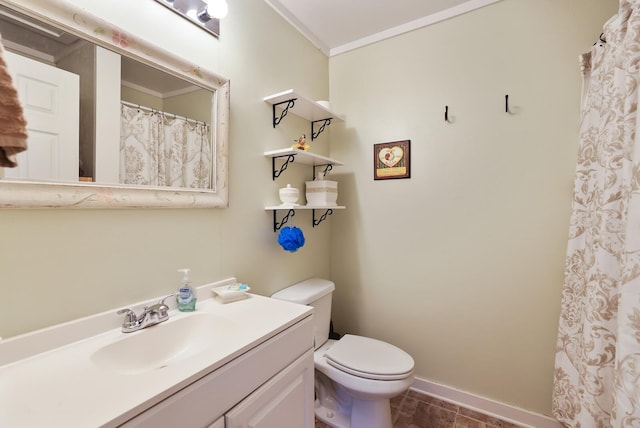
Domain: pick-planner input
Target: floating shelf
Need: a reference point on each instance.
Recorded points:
(291, 211)
(304, 107)
(290, 101)
(303, 207)
(300, 157)
(304, 158)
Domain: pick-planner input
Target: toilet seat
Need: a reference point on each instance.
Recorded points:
(369, 358)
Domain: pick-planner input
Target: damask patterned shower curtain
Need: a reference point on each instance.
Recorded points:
(160, 150)
(597, 366)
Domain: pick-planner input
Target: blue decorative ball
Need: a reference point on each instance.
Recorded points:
(291, 238)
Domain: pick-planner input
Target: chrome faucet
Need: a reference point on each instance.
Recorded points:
(151, 315)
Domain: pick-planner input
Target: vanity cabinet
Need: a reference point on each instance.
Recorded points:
(270, 386)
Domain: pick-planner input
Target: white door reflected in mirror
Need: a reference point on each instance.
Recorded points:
(50, 98)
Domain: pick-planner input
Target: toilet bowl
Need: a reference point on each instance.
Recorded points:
(355, 376)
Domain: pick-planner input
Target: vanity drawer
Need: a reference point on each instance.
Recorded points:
(285, 401)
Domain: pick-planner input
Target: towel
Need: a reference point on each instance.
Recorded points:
(13, 126)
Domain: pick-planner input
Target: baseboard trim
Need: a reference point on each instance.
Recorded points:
(487, 406)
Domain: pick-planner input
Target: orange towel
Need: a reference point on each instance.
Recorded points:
(13, 126)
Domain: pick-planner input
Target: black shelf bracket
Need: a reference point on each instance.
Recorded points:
(289, 104)
(315, 134)
(275, 173)
(277, 225)
(322, 218)
(328, 167)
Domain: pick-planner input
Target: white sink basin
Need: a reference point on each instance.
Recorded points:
(158, 346)
(45, 375)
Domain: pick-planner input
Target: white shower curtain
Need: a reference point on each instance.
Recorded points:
(597, 366)
(161, 150)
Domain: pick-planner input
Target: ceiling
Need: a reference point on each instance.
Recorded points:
(337, 26)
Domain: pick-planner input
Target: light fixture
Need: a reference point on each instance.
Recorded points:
(205, 14)
(193, 14)
(217, 8)
(213, 9)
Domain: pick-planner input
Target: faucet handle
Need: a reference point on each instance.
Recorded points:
(161, 309)
(161, 302)
(129, 315)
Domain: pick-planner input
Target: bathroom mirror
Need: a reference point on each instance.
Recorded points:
(112, 48)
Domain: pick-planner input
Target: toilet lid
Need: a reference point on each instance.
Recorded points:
(369, 358)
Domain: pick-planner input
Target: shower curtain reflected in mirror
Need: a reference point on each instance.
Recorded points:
(597, 366)
(159, 149)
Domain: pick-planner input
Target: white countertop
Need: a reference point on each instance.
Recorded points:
(62, 387)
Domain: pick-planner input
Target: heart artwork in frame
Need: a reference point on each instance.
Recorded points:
(392, 160)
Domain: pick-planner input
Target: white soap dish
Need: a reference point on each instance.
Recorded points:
(231, 293)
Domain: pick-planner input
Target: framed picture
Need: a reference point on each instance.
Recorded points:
(392, 160)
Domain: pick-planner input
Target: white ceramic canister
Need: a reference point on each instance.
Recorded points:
(321, 192)
(289, 195)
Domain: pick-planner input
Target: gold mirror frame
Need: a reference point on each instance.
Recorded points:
(68, 17)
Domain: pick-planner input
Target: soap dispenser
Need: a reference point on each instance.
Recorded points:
(186, 296)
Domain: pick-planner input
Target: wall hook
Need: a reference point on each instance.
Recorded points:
(510, 109)
(447, 117)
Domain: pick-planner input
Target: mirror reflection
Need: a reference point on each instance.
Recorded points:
(88, 122)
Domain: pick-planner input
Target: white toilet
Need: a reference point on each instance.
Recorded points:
(355, 376)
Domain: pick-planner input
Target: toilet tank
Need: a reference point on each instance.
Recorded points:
(314, 292)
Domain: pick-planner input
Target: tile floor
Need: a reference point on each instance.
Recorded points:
(415, 410)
